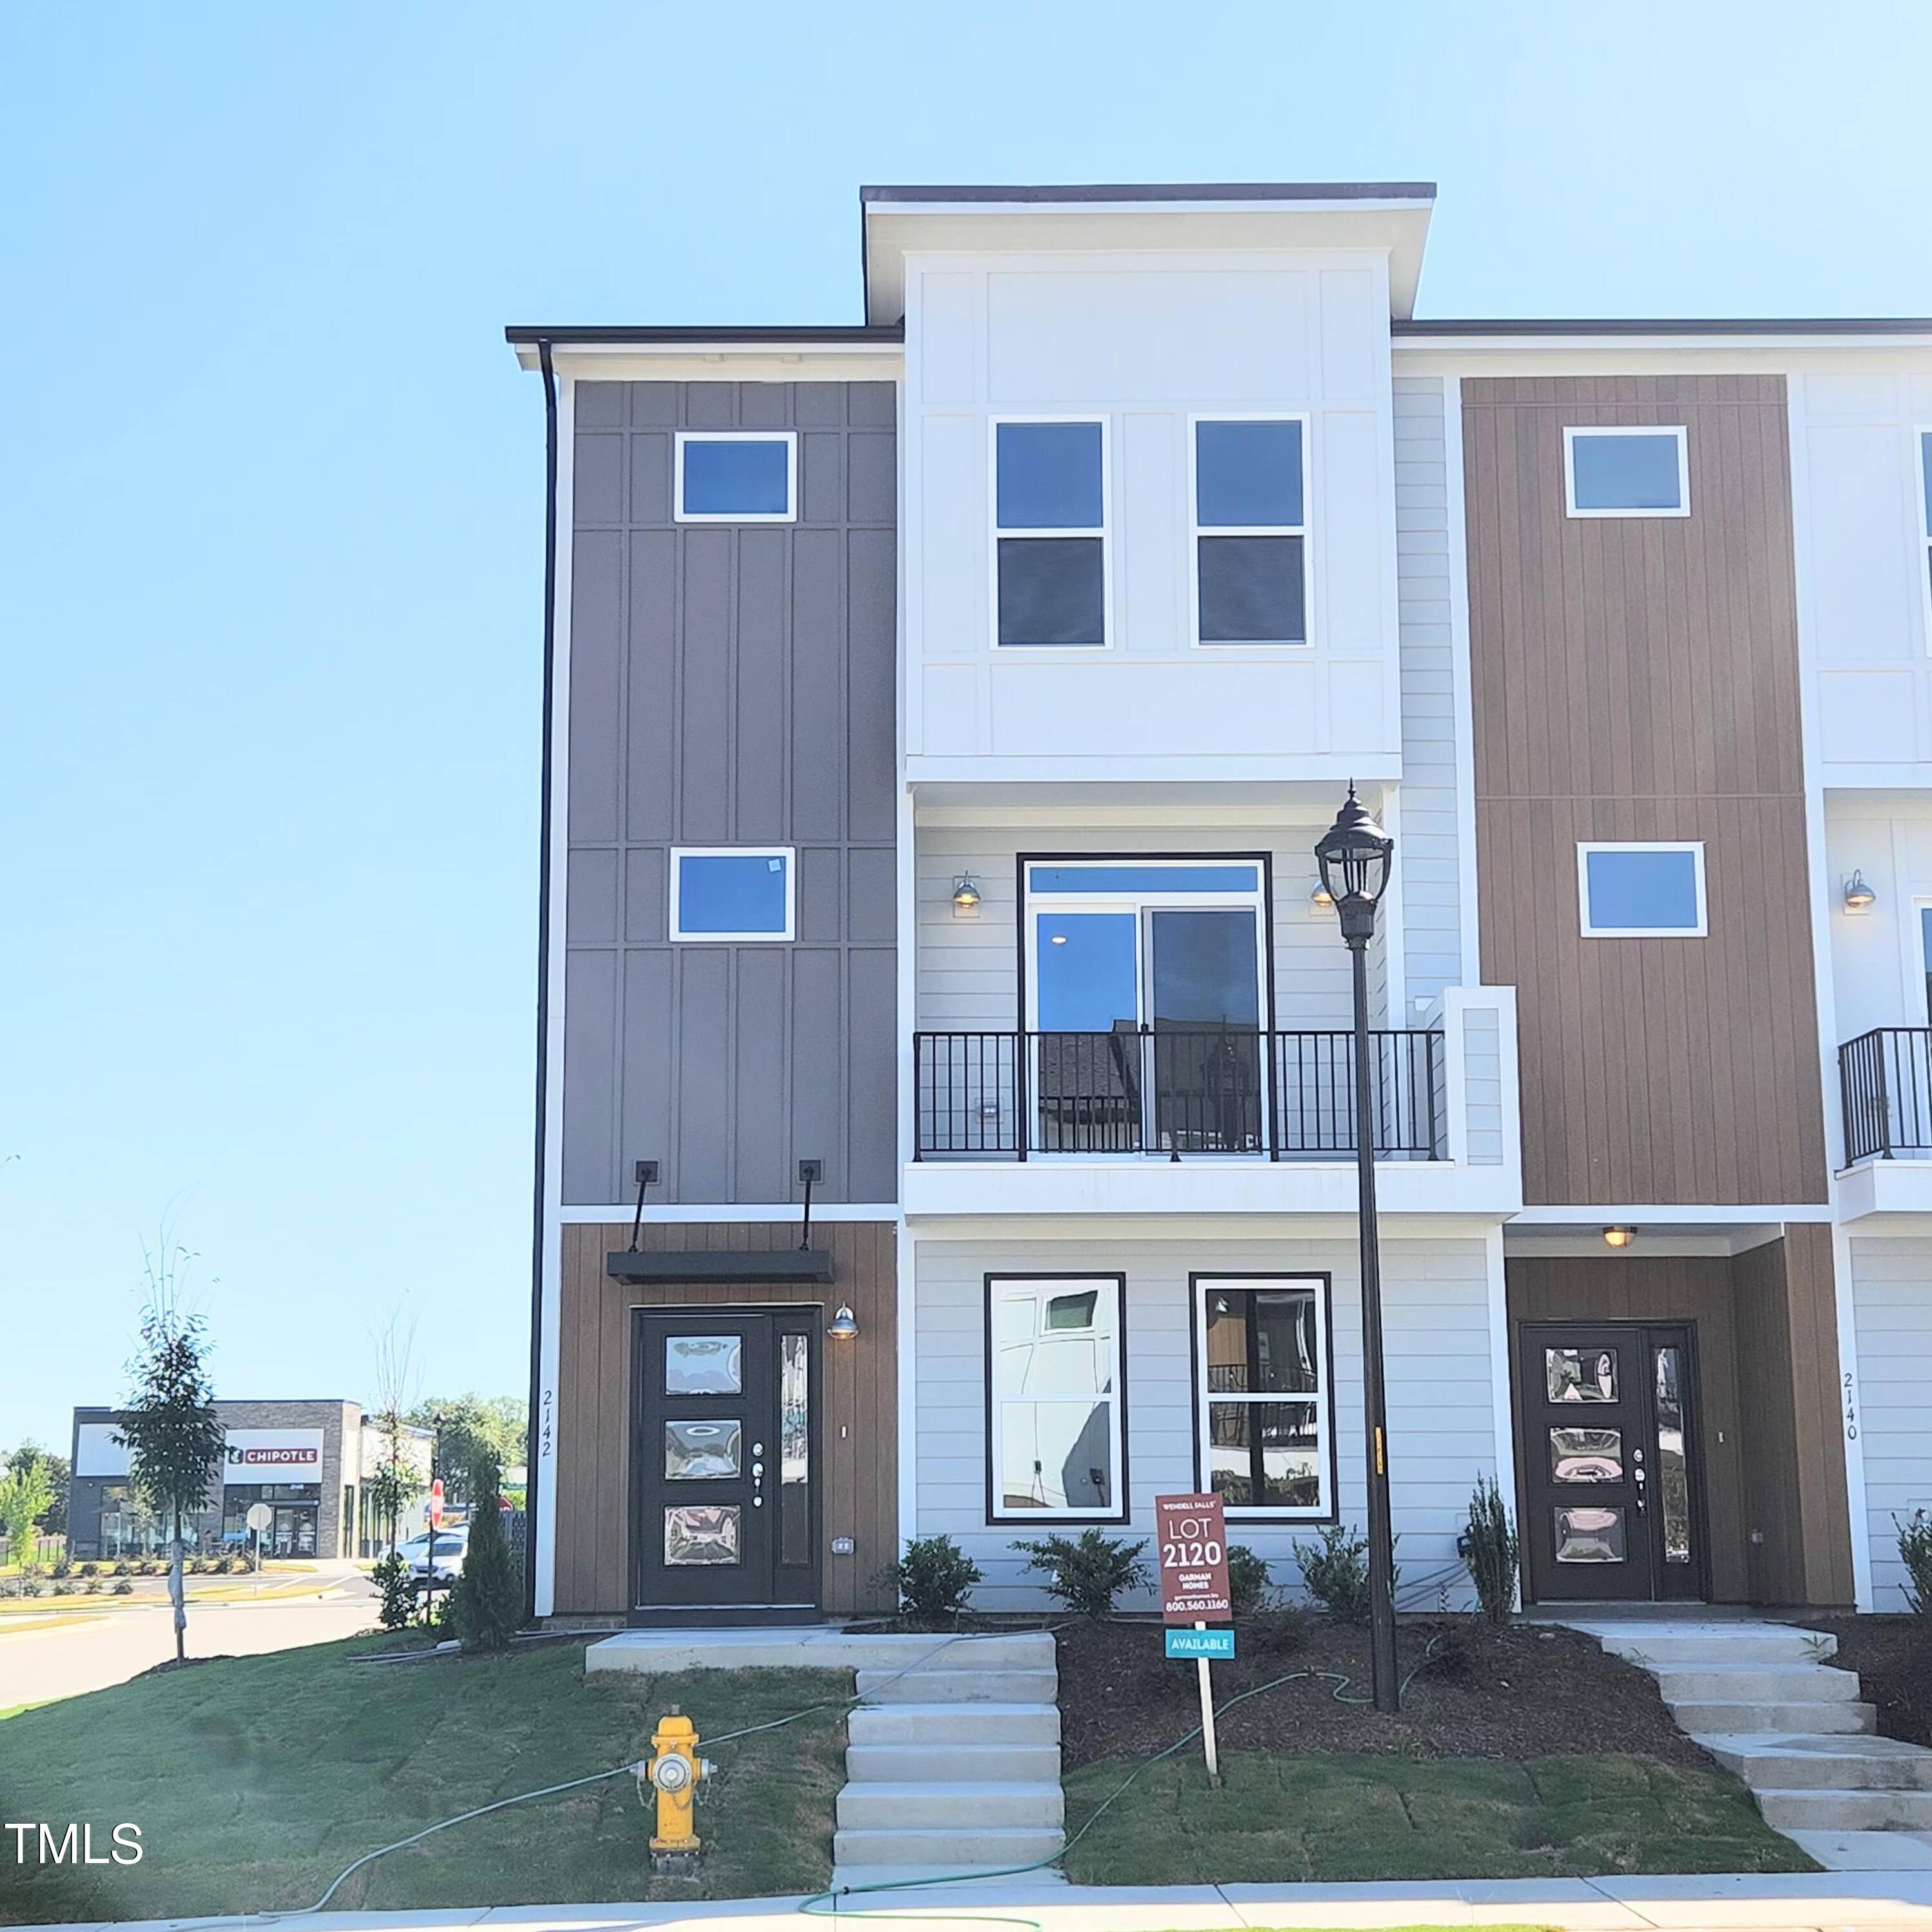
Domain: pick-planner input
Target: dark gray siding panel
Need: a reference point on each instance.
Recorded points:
(732, 686)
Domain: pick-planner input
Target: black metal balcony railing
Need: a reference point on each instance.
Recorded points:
(1884, 1083)
(1173, 1091)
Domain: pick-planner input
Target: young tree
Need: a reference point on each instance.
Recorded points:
(488, 1602)
(173, 1438)
(393, 1484)
(26, 1492)
(468, 1427)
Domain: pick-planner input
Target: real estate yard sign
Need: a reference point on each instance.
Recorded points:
(1192, 1535)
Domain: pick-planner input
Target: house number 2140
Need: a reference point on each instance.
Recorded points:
(1851, 1410)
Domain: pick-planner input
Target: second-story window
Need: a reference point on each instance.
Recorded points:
(732, 892)
(1925, 523)
(1647, 890)
(736, 476)
(1050, 541)
(1621, 471)
(1250, 531)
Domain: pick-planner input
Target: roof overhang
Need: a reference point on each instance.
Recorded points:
(1388, 216)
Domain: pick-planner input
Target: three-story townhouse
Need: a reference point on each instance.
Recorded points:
(946, 1124)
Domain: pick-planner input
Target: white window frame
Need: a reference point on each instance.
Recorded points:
(1104, 534)
(1695, 847)
(1322, 1396)
(1571, 431)
(1921, 441)
(789, 514)
(1919, 963)
(1196, 529)
(1113, 1286)
(679, 854)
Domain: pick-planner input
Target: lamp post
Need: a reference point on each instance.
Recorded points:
(1355, 855)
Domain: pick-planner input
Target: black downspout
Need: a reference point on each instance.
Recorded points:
(533, 1445)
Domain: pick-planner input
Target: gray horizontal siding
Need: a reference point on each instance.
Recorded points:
(1891, 1302)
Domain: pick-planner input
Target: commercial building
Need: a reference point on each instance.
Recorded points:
(944, 711)
(305, 1460)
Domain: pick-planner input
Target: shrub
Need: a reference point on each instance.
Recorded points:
(123, 1587)
(1914, 1551)
(124, 1568)
(90, 1569)
(391, 1576)
(1492, 1551)
(91, 1587)
(1335, 1567)
(487, 1604)
(933, 1579)
(30, 1586)
(222, 1565)
(1086, 1575)
(1249, 1586)
(63, 1568)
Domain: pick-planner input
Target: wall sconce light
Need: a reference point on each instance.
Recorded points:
(965, 898)
(1859, 897)
(1619, 1237)
(1320, 901)
(843, 1326)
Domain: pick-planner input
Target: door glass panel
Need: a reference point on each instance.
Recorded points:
(1264, 1455)
(694, 1451)
(1673, 1473)
(1590, 1536)
(1056, 1455)
(703, 1365)
(794, 1449)
(1580, 1375)
(1086, 966)
(1586, 1455)
(693, 1535)
(1206, 1013)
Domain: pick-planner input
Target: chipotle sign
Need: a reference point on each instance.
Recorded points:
(1193, 1538)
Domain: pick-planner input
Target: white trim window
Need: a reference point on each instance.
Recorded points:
(1248, 491)
(1050, 517)
(734, 892)
(736, 476)
(1056, 1448)
(1263, 1401)
(1642, 889)
(1922, 470)
(1627, 470)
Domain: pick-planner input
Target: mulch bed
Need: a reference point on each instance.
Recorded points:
(1522, 1692)
(1893, 1657)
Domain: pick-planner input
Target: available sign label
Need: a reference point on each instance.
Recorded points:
(1203, 1643)
(1192, 1535)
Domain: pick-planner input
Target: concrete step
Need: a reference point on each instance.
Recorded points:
(948, 1851)
(959, 1686)
(975, 1764)
(1019, 1650)
(1868, 1851)
(951, 1807)
(1800, 1763)
(1847, 1811)
(1731, 1716)
(863, 1878)
(954, 1723)
(1661, 1648)
(1791, 1684)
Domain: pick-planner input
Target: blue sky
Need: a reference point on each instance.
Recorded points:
(270, 542)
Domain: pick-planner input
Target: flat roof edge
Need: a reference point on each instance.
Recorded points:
(811, 334)
(1116, 191)
(1691, 325)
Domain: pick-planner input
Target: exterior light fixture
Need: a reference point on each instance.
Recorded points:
(1619, 1237)
(843, 1326)
(1320, 900)
(1859, 897)
(965, 895)
(1355, 855)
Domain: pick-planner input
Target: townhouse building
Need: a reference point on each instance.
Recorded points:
(946, 1117)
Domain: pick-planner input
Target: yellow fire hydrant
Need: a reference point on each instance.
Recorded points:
(675, 1770)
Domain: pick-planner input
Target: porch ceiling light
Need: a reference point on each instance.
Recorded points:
(843, 1326)
(1859, 897)
(1619, 1237)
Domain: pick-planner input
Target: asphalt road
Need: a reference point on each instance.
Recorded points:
(36, 1665)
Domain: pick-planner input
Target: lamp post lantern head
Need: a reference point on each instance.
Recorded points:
(1355, 855)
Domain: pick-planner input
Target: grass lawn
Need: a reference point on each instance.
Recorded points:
(256, 1780)
(1279, 1818)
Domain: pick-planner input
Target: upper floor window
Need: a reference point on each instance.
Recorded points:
(1653, 891)
(1250, 531)
(1925, 517)
(736, 476)
(1050, 525)
(1624, 472)
(732, 891)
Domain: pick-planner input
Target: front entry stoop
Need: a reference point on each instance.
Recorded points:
(1764, 1700)
(953, 1766)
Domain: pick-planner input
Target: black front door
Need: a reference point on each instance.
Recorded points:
(724, 1460)
(1612, 1503)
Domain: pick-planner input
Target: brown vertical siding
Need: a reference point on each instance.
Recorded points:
(1637, 679)
(858, 1427)
(1767, 1366)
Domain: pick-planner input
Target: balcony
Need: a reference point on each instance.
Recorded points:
(1173, 1093)
(1884, 1084)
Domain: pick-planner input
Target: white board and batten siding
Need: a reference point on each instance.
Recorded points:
(1892, 1304)
(1441, 1414)
(1146, 342)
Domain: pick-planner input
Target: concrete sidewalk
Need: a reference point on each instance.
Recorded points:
(1823, 1901)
